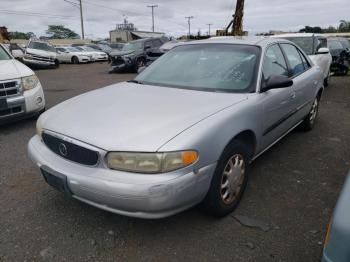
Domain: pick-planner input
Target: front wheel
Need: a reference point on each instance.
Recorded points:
(327, 79)
(75, 60)
(310, 119)
(229, 180)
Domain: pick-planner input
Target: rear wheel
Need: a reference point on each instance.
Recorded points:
(75, 60)
(310, 119)
(229, 180)
(57, 64)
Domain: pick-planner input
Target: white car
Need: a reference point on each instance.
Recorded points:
(21, 94)
(40, 54)
(72, 55)
(96, 55)
(316, 47)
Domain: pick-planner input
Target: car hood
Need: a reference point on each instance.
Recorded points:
(121, 53)
(133, 117)
(11, 69)
(42, 53)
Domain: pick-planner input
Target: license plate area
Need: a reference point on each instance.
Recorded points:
(3, 104)
(57, 181)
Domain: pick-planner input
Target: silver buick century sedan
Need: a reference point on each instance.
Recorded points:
(183, 132)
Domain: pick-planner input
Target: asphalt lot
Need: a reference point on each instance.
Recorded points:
(290, 196)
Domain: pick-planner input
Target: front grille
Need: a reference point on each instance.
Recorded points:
(70, 151)
(9, 88)
(40, 58)
(11, 111)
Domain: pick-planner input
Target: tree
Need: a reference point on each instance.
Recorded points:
(60, 32)
(21, 35)
(344, 26)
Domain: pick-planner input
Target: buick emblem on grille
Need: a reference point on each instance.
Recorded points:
(63, 149)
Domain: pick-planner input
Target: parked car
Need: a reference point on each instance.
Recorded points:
(116, 46)
(316, 47)
(337, 242)
(15, 50)
(72, 55)
(134, 54)
(340, 57)
(40, 54)
(183, 131)
(21, 94)
(95, 54)
(155, 54)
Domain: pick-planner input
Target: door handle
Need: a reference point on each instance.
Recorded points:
(292, 95)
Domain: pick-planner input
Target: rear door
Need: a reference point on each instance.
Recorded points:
(278, 105)
(304, 82)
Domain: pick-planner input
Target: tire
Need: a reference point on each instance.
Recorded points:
(309, 121)
(75, 60)
(327, 79)
(225, 181)
(57, 64)
(140, 62)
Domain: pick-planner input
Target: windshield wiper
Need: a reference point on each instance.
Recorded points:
(136, 82)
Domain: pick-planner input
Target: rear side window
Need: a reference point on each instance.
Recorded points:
(294, 59)
(274, 62)
(157, 43)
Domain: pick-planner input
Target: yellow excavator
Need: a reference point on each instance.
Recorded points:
(237, 21)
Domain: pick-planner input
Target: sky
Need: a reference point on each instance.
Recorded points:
(101, 16)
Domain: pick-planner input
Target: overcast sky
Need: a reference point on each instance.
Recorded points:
(100, 16)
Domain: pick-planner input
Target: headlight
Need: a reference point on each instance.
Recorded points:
(150, 162)
(39, 127)
(29, 82)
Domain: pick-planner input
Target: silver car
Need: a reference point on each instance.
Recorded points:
(183, 132)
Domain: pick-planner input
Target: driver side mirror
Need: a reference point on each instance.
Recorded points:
(322, 51)
(275, 82)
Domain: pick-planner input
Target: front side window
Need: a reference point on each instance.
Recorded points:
(209, 67)
(274, 62)
(3, 54)
(294, 59)
(132, 46)
(321, 43)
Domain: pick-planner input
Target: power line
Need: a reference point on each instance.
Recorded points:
(25, 13)
(152, 6)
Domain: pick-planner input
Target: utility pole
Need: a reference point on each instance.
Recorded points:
(189, 25)
(209, 28)
(81, 19)
(152, 6)
(237, 27)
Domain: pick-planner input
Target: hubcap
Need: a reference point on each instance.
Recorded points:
(313, 112)
(232, 179)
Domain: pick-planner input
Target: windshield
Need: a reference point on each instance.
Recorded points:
(305, 43)
(72, 49)
(3, 54)
(41, 46)
(132, 46)
(335, 45)
(345, 43)
(210, 67)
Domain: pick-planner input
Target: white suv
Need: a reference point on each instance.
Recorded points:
(315, 46)
(21, 93)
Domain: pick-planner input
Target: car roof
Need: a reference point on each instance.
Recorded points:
(243, 40)
(297, 35)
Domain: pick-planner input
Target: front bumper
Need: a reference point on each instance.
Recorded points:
(24, 105)
(136, 195)
(38, 63)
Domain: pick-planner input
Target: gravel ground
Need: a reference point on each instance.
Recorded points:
(283, 215)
